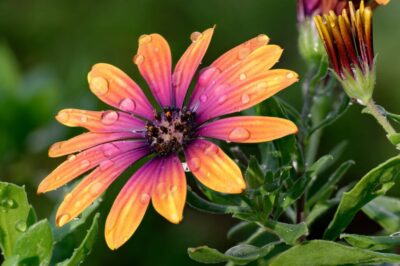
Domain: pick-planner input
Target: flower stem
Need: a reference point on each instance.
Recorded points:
(375, 112)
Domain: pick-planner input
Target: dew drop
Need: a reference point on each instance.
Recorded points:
(203, 98)
(206, 75)
(63, 219)
(63, 116)
(243, 53)
(145, 198)
(290, 75)
(96, 188)
(176, 78)
(85, 164)
(21, 226)
(211, 150)
(109, 149)
(245, 98)
(84, 118)
(98, 86)
(127, 105)
(242, 76)
(174, 189)
(222, 99)
(195, 36)
(262, 86)
(78, 203)
(138, 59)
(221, 88)
(109, 117)
(105, 165)
(145, 38)
(239, 134)
(8, 203)
(194, 164)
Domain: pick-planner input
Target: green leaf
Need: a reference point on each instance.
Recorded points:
(9, 70)
(241, 254)
(372, 242)
(328, 186)
(321, 252)
(254, 174)
(373, 184)
(198, 203)
(385, 211)
(242, 228)
(288, 233)
(81, 252)
(395, 139)
(16, 215)
(35, 246)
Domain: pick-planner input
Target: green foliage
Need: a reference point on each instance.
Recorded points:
(385, 211)
(240, 255)
(373, 184)
(320, 252)
(27, 242)
(372, 242)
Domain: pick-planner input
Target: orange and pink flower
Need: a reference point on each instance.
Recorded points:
(239, 79)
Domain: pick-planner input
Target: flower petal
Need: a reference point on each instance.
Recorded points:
(82, 162)
(129, 207)
(92, 186)
(114, 87)
(248, 129)
(230, 59)
(212, 167)
(104, 121)
(169, 194)
(226, 99)
(154, 62)
(188, 64)
(85, 141)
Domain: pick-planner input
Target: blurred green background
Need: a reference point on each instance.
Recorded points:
(47, 48)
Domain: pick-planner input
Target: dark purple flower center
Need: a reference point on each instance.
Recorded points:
(170, 130)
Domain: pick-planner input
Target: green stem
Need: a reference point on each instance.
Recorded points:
(375, 112)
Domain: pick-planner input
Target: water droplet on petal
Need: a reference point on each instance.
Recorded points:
(109, 149)
(206, 75)
(21, 226)
(211, 150)
(290, 75)
(105, 165)
(222, 99)
(96, 188)
(194, 164)
(84, 118)
(243, 53)
(195, 36)
(144, 198)
(145, 38)
(174, 189)
(98, 85)
(245, 98)
(85, 164)
(262, 86)
(138, 59)
(127, 105)
(78, 203)
(109, 117)
(63, 219)
(221, 88)
(176, 78)
(239, 134)
(63, 116)
(242, 76)
(203, 98)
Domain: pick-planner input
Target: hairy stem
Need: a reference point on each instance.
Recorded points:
(376, 113)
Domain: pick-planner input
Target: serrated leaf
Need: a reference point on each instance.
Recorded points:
(34, 247)
(385, 211)
(81, 252)
(373, 184)
(328, 253)
(372, 242)
(241, 254)
(16, 215)
(288, 233)
(254, 174)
